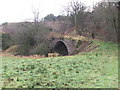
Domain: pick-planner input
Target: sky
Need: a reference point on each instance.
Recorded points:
(21, 10)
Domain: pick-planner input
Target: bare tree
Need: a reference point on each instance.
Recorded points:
(75, 11)
(36, 15)
(105, 19)
(118, 7)
(77, 8)
(113, 18)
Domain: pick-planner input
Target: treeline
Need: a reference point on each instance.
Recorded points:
(100, 21)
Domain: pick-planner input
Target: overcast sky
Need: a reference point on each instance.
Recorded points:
(20, 10)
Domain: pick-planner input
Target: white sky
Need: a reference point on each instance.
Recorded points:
(20, 10)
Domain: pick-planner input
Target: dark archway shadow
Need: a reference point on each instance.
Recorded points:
(60, 48)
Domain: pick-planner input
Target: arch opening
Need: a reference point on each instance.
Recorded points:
(60, 48)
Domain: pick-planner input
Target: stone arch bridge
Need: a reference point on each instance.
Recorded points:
(65, 46)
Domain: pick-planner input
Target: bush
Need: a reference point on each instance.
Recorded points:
(33, 40)
(6, 41)
(78, 43)
(41, 48)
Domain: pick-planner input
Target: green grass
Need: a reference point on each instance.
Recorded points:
(97, 69)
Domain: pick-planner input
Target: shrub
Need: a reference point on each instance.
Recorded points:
(33, 40)
(6, 41)
(42, 48)
(78, 43)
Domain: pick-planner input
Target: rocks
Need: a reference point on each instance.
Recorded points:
(36, 56)
(53, 54)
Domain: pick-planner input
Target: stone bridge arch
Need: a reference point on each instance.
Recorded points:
(61, 48)
(64, 46)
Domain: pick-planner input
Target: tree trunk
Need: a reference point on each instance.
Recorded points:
(118, 21)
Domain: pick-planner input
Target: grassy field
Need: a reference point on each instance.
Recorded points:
(97, 69)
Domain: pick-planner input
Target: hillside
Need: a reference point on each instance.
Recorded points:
(96, 69)
(75, 49)
(61, 27)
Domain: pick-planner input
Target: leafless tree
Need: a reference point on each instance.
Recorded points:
(36, 15)
(113, 17)
(105, 19)
(75, 14)
(118, 7)
(76, 8)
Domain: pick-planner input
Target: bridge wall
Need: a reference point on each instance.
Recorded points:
(70, 44)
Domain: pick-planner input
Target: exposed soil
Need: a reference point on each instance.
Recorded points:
(12, 55)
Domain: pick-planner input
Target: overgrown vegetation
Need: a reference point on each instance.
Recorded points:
(95, 66)
(98, 69)
(6, 41)
(33, 40)
(98, 22)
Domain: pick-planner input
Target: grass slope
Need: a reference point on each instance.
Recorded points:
(98, 69)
